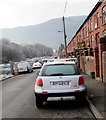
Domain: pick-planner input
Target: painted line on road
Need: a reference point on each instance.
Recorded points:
(94, 110)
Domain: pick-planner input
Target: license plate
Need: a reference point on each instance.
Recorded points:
(60, 83)
(21, 68)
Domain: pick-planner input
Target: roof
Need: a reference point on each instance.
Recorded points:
(61, 62)
(91, 13)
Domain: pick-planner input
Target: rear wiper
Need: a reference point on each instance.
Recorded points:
(56, 74)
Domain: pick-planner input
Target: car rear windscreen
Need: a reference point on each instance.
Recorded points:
(22, 65)
(60, 69)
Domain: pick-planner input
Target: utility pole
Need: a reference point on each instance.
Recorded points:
(65, 36)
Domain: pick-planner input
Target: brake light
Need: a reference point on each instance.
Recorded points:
(77, 90)
(39, 82)
(81, 80)
(44, 92)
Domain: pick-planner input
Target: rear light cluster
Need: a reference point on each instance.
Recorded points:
(39, 82)
(81, 80)
(77, 90)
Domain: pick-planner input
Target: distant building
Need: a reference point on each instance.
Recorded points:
(89, 42)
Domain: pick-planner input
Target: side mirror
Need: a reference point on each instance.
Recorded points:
(37, 73)
(80, 70)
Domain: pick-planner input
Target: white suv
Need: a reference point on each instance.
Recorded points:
(59, 79)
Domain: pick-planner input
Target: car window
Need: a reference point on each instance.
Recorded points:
(5, 66)
(56, 70)
(22, 64)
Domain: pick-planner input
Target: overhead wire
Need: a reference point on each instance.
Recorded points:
(65, 8)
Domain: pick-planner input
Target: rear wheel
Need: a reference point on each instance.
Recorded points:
(29, 70)
(81, 98)
(39, 102)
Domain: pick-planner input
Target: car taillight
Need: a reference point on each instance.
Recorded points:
(81, 80)
(44, 92)
(77, 90)
(39, 82)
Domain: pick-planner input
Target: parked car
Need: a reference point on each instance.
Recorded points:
(30, 61)
(66, 59)
(24, 66)
(15, 68)
(45, 60)
(5, 69)
(37, 65)
(59, 79)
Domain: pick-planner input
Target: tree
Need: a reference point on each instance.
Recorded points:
(15, 52)
(61, 47)
(11, 51)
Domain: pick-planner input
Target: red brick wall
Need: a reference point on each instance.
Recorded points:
(87, 64)
(97, 33)
(79, 37)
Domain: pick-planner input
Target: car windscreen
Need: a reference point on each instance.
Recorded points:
(59, 70)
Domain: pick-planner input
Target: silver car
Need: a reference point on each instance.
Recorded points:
(59, 79)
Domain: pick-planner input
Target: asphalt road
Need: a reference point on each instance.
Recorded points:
(18, 101)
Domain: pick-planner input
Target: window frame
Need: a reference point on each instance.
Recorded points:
(104, 32)
(42, 72)
(92, 41)
(91, 24)
(103, 16)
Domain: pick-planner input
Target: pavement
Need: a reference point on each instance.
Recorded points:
(96, 95)
(3, 77)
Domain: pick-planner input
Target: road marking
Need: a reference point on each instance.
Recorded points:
(94, 110)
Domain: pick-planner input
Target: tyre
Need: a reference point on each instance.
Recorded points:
(39, 102)
(29, 70)
(81, 98)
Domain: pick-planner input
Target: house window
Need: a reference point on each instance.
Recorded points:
(75, 42)
(104, 15)
(91, 24)
(83, 33)
(87, 43)
(97, 38)
(96, 19)
(87, 31)
(105, 33)
(77, 38)
(92, 41)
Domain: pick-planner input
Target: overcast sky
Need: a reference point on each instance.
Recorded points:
(14, 13)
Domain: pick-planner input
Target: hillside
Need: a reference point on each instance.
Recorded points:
(45, 33)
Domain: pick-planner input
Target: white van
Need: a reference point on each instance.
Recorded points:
(24, 66)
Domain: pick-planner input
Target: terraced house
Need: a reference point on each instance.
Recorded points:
(89, 43)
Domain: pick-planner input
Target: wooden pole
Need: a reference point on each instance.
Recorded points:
(65, 36)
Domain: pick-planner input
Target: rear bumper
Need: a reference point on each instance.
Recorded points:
(36, 67)
(22, 71)
(61, 94)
